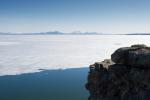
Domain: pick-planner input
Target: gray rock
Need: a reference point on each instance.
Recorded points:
(118, 82)
(126, 79)
(136, 55)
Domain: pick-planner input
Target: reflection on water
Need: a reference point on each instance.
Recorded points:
(46, 85)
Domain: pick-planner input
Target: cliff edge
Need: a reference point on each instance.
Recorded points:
(126, 76)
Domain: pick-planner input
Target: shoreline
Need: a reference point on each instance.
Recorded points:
(45, 70)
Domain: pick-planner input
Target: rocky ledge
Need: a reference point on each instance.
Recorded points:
(126, 76)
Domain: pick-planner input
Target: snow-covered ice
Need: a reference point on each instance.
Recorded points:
(29, 53)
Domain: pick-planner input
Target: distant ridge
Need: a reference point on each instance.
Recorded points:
(138, 34)
(71, 33)
(40, 33)
(54, 33)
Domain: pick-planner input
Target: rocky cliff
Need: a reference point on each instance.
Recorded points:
(126, 76)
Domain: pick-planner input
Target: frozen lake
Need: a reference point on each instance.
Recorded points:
(29, 53)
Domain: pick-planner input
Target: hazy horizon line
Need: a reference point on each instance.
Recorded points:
(73, 32)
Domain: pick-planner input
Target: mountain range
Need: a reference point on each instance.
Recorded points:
(52, 33)
(72, 33)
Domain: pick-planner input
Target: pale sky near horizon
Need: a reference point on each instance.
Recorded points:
(106, 16)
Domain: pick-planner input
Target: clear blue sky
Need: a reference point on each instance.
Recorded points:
(108, 16)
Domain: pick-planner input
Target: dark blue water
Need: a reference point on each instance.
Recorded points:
(66, 84)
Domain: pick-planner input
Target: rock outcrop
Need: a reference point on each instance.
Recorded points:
(136, 55)
(126, 76)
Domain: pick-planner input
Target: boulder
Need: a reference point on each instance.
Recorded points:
(136, 55)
